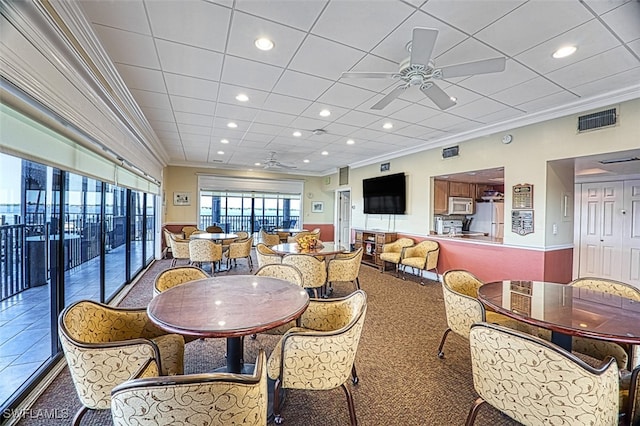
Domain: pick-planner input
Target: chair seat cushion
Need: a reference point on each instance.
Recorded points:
(273, 364)
(415, 262)
(171, 353)
(390, 257)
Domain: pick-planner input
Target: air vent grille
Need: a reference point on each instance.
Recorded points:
(450, 152)
(344, 175)
(597, 120)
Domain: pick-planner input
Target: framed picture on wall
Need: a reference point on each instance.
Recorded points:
(317, 206)
(181, 198)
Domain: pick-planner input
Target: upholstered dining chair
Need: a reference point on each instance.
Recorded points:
(242, 235)
(294, 238)
(422, 257)
(172, 277)
(214, 229)
(188, 230)
(167, 241)
(627, 356)
(462, 307)
(266, 256)
(205, 251)
(105, 346)
(240, 250)
(284, 272)
(320, 354)
(179, 250)
(392, 252)
(314, 270)
(269, 239)
(345, 267)
(536, 382)
(216, 399)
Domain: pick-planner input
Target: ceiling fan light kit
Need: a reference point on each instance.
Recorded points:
(420, 70)
(273, 163)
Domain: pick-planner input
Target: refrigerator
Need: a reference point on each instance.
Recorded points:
(489, 218)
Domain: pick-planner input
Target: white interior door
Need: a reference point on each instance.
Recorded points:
(343, 228)
(631, 238)
(601, 222)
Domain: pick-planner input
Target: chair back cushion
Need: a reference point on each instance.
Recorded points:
(345, 267)
(266, 256)
(536, 382)
(175, 276)
(188, 230)
(462, 308)
(284, 272)
(314, 271)
(204, 251)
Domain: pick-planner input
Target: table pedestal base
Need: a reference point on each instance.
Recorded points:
(561, 339)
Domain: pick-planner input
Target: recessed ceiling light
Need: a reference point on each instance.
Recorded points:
(325, 113)
(565, 51)
(256, 164)
(350, 141)
(232, 125)
(224, 140)
(220, 152)
(297, 134)
(305, 161)
(242, 97)
(453, 98)
(325, 153)
(264, 44)
(387, 126)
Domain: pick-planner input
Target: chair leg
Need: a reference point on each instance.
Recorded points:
(357, 283)
(352, 408)
(444, 337)
(471, 418)
(277, 417)
(79, 414)
(173, 262)
(354, 375)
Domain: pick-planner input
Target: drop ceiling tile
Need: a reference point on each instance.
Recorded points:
(301, 85)
(357, 118)
(371, 63)
(533, 24)
(145, 98)
(299, 15)
(312, 58)
(600, 6)
(158, 114)
(195, 139)
(236, 112)
(513, 75)
(470, 16)
(413, 114)
(188, 130)
(442, 121)
(612, 62)
(228, 93)
(169, 137)
(313, 111)
(591, 38)
(254, 75)
(527, 91)
(477, 108)
(548, 102)
(195, 106)
(367, 134)
(462, 95)
(412, 131)
(201, 24)
(603, 84)
(165, 126)
(188, 60)
(246, 29)
(191, 87)
(635, 47)
(375, 21)
(467, 51)
(624, 20)
(194, 119)
(345, 96)
(504, 114)
(257, 137)
(394, 47)
(340, 129)
(140, 49)
(276, 118)
(221, 123)
(266, 129)
(128, 16)
(285, 104)
(394, 106)
(141, 78)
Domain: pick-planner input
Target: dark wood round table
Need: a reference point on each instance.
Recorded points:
(565, 310)
(231, 307)
(213, 236)
(327, 249)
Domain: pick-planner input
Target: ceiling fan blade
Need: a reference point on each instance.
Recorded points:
(389, 97)
(477, 67)
(422, 43)
(369, 75)
(438, 96)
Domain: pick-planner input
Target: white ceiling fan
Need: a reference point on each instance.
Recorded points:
(420, 70)
(273, 163)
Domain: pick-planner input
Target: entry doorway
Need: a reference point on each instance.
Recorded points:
(343, 218)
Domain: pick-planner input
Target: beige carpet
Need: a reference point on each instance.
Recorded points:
(402, 381)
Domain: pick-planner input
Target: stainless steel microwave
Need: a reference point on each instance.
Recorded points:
(460, 205)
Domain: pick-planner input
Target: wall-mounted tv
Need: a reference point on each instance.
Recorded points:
(385, 194)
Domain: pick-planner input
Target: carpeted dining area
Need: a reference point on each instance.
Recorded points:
(402, 381)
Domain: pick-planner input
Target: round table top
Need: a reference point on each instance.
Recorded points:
(327, 249)
(231, 306)
(565, 309)
(291, 230)
(214, 236)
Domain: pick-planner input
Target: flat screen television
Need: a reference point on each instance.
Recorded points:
(385, 194)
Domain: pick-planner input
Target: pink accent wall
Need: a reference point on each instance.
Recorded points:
(491, 262)
(326, 230)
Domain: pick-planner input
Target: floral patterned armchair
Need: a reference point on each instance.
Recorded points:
(105, 346)
(536, 382)
(205, 251)
(423, 257)
(266, 256)
(217, 399)
(345, 267)
(175, 276)
(240, 250)
(392, 252)
(320, 354)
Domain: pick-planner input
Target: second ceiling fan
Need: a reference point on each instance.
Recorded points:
(420, 70)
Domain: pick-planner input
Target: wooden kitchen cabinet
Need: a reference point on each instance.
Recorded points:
(461, 189)
(440, 196)
(372, 242)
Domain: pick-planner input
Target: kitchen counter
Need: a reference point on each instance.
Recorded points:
(479, 237)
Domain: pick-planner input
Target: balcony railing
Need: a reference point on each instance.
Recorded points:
(243, 223)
